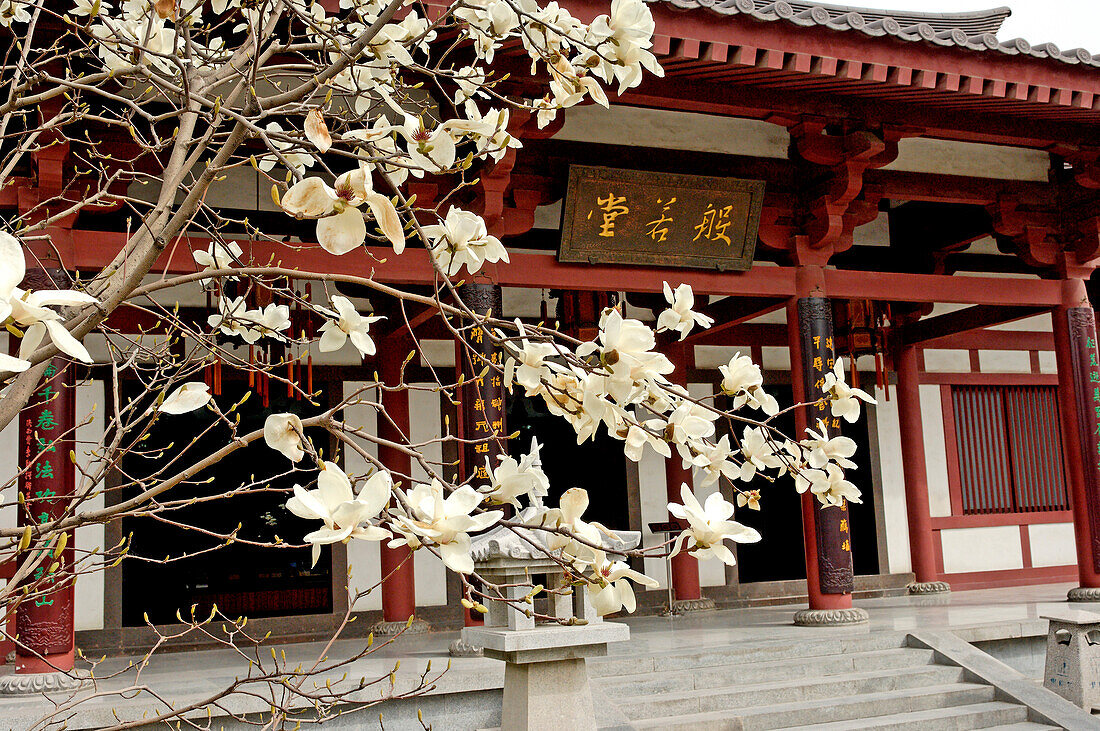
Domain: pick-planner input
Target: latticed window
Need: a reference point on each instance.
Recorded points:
(1010, 450)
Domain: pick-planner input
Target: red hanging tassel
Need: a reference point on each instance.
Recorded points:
(251, 366)
(309, 338)
(267, 379)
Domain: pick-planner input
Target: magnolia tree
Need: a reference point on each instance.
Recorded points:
(338, 111)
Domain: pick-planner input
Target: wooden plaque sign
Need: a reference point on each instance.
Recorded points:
(660, 219)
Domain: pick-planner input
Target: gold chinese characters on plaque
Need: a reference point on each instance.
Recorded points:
(663, 219)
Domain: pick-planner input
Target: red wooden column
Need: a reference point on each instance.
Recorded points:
(685, 568)
(1079, 411)
(399, 590)
(825, 531)
(45, 647)
(921, 537)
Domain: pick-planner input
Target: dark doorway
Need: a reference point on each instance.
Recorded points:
(253, 581)
(779, 556)
(598, 465)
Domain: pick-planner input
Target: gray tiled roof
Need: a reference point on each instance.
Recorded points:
(976, 31)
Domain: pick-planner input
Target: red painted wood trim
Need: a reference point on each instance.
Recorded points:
(1025, 546)
(95, 249)
(1034, 356)
(994, 340)
(990, 379)
(940, 288)
(937, 548)
(986, 520)
(1011, 577)
(975, 362)
(951, 452)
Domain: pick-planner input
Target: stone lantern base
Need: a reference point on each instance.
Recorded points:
(546, 684)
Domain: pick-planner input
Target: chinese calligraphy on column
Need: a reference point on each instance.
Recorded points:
(482, 406)
(834, 537)
(44, 622)
(1086, 380)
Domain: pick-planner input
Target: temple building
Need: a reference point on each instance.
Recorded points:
(909, 193)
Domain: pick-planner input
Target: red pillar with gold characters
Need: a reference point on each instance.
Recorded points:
(687, 592)
(921, 538)
(45, 629)
(1078, 358)
(481, 409)
(826, 530)
(398, 574)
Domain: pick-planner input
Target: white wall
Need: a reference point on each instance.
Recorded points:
(935, 451)
(893, 482)
(91, 406)
(425, 424)
(1052, 544)
(363, 556)
(982, 549)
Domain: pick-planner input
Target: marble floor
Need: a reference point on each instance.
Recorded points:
(185, 677)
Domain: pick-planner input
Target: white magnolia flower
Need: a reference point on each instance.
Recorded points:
(608, 586)
(679, 316)
(649, 433)
(751, 498)
(462, 240)
(31, 309)
(845, 398)
(759, 452)
(689, 421)
(317, 131)
(527, 365)
(567, 516)
(90, 8)
(220, 255)
(232, 320)
(298, 161)
(432, 151)
(345, 514)
(715, 461)
(270, 320)
(831, 488)
(446, 522)
(513, 478)
(742, 381)
(188, 397)
(340, 224)
(348, 323)
(708, 526)
(822, 449)
(626, 350)
(283, 433)
(739, 377)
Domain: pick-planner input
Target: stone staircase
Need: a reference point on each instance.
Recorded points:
(849, 682)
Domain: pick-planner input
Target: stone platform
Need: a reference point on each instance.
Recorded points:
(468, 696)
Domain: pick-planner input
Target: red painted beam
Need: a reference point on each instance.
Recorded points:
(91, 250)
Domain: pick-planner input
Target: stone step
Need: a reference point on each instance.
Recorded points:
(797, 690)
(763, 672)
(710, 655)
(995, 714)
(800, 714)
(1023, 726)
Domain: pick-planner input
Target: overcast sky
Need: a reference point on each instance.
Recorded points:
(1067, 23)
